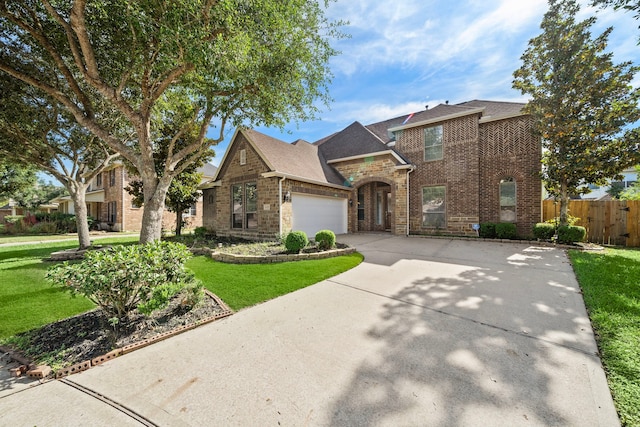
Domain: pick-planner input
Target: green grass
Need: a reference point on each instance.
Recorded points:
(245, 285)
(7, 238)
(610, 283)
(27, 301)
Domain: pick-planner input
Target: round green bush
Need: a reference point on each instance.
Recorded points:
(571, 234)
(325, 239)
(544, 231)
(487, 230)
(296, 241)
(505, 230)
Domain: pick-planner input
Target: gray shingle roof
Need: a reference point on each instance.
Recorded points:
(354, 140)
(495, 108)
(300, 159)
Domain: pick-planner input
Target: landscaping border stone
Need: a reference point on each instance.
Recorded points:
(44, 372)
(217, 255)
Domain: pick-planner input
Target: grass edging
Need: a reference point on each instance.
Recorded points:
(610, 284)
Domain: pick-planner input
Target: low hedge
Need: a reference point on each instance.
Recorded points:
(571, 234)
(544, 231)
(505, 230)
(487, 230)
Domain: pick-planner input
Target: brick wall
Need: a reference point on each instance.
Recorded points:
(219, 215)
(458, 172)
(508, 148)
(475, 158)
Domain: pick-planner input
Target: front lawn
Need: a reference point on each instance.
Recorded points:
(28, 301)
(610, 283)
(244, 285)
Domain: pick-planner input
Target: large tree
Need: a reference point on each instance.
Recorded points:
(253, 62)
(36, 131)
(14, 177)
(183, 191)
(581, 103)
(630, 5)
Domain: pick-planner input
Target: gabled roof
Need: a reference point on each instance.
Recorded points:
(297, 160)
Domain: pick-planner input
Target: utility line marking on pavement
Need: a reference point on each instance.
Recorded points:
(129, 412)
(467, 319)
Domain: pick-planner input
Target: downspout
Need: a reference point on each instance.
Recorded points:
(408, 211)
(280, 203)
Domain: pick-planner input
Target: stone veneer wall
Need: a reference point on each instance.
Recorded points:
(508, 148)
(458, 171)
(372, 169)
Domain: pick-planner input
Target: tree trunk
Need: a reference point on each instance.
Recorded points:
(82, 224)
(154, 196)
(564, 205)
(178, 223)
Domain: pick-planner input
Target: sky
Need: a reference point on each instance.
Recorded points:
(403, 55)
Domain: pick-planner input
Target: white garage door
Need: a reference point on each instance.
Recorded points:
(314, 213)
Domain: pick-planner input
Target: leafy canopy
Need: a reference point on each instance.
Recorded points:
(582, 102)
(238, 62)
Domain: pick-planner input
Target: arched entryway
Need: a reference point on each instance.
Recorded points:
(375, 203)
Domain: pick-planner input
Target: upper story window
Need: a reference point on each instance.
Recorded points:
(99, 180)
(112, 177)
(508, 200)
(433, 143)
(243, 157)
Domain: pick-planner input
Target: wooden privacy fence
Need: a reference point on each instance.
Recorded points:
(610, 222)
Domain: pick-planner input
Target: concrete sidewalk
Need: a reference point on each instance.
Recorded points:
(431, 332)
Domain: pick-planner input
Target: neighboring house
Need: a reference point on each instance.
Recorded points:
(439, 171)
(11, 208)
(113, 207)
(629, 177)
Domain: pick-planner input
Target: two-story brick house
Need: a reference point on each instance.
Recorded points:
(114, 209)
(439, 171)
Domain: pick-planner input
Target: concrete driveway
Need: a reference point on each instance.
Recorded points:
(426, 332)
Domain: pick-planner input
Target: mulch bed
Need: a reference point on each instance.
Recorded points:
(89, 335)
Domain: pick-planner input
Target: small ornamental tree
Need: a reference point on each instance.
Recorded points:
(581, 103)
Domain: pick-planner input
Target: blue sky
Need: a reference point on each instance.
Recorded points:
(406, 54)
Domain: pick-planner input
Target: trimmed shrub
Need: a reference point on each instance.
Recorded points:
(44, 228)
(200, 232)
(571, 234)
(544, 231)
(296, 241)
(325, 239)
(13, 219)
(487, 230)
(124, 278)
(505, 230)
